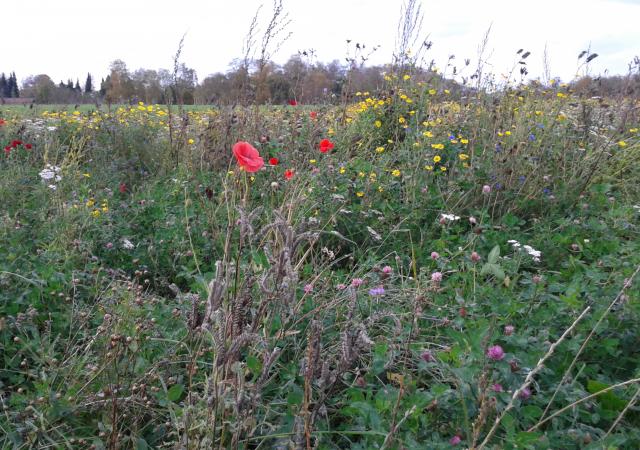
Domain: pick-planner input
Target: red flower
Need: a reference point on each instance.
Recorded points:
(313, 115)
(15, 143)
(28, 146)
(2, 122)
(248, 157)
(326, 145)
(274, 161)
(122, 188)
(7, 150)
(288, 174)
(293, 102)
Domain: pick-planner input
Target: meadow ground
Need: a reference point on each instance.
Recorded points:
(411, 270)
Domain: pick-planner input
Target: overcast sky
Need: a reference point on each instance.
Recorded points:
(67, 39)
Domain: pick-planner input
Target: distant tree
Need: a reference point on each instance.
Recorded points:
(14, 90)
(88, 85)
(42, 89)
(77, 86)
(3, 86)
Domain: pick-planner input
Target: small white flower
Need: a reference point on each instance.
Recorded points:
(450, 217)
(53, 187)
(127, 244)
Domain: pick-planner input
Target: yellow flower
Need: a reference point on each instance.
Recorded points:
(437, 159)
(464, 141)
(406, 77)
(90, 203)
(500, 134)
(105, 208)
(561, 95)
(360, 194)
(395, 173)
(361, 174)
(507, 133)
(428, 168)
(633, 130)
(380, 189)
(95, 213)
(342, 170)
(622, 144)
(437, 146)
(463, 156)
(443, 168)
(141, 103)
(379, 149)
(330, 131)
(401, 120)
(539, 113)
(428, 134)
(86, 175)
(312, 161)
(190, 141)
(377, 123)
(447, 91)
(76, 113)
(432, 92)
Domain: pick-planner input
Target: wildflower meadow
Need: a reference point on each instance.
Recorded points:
(421, 265)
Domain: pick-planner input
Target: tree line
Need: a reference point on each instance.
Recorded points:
(298, 80)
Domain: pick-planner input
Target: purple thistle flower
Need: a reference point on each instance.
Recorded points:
(495, 352)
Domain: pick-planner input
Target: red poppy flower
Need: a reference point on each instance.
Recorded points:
(248, 157)
(7, 150)
(28, 146)
(2, 122)
(15, 143)
(293, 102)
(274, 161)
(122, 188)
(326, 145)
(288, 174)
(313, 115)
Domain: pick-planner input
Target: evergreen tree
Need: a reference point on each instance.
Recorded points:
(88, 85)
(70, 84)
(15, 90)
(3, 85)
(77, 87)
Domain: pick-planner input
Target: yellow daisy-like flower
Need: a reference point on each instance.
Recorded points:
(561, 95)
(361, 174)
(507, 133)
(443, 168)
(622, 144)
(86, 175)
(633, 130)
(380, 189)
(429, 168)
(437, 159)
(447, 91)
(190, 141)
(406, 77)
(432, 92)
(360, 194)
(428, 134)
(464, 141)
(90, 203)
(342, 170)
(313, 161)
(379, 149)
(401, 119)
(463, 156)
(377, 123)
(437, 146)
(95, 213)
(395, 173)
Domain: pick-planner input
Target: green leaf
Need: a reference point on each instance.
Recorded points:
(141, 444)
(175, 392)
(493, 255)
(608, 400)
